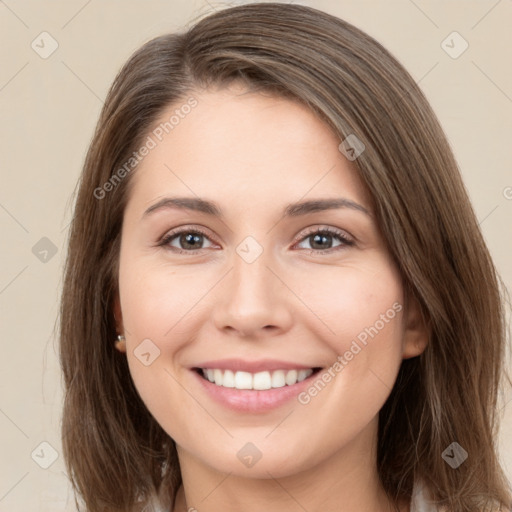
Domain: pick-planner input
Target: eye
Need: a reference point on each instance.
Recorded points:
(321, 240)
(187, 240)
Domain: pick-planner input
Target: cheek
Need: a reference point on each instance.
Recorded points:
(156, 299)
(163, 309)
(356, 304)
(155, 306)
(154, 302)
(362, 315)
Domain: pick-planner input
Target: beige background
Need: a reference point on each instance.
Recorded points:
(50, 107)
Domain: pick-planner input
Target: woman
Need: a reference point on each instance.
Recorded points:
(277, 296)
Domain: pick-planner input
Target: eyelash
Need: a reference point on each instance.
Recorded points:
(346, 241)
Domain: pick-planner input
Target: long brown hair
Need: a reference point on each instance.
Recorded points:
(116, 454)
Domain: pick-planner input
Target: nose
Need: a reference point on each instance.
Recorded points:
(253, 300)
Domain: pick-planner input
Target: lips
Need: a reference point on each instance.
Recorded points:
(253, 386)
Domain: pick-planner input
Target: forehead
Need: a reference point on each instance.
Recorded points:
(253, 146)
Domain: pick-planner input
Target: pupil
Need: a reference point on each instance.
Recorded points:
(190, 239)
(321, 238)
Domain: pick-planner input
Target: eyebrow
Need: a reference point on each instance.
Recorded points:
(291, 210)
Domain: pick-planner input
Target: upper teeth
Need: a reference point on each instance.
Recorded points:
(260, 380)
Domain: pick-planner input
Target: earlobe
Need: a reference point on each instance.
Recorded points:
(120, 342)
(416, 329)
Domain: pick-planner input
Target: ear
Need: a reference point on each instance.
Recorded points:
(118, 317)
(416, 329)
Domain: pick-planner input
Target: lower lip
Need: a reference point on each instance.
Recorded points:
(253, 401)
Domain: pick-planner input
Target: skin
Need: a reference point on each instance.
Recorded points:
(254, 154)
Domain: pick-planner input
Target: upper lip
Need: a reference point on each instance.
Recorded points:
(252, 366)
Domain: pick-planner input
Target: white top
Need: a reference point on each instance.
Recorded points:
(420, 501)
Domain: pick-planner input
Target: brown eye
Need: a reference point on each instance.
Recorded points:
(322, 240)
(185, 240)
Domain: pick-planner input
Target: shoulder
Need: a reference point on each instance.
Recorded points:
(421, 501)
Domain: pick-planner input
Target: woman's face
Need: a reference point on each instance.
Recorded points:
(270, 265)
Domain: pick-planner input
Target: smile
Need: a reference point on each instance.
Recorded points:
(256, 386)
(256, 381)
